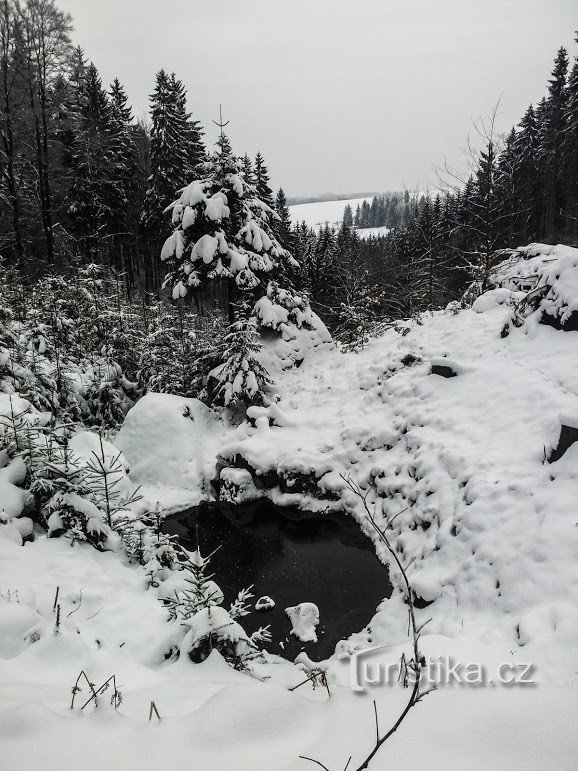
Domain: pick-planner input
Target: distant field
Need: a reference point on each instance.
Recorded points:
(318, 213)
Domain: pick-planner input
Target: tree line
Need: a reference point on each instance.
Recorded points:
(390, 210)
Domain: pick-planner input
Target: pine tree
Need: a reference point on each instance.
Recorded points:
(348, 216)
(222, 233)
(506, 168)
(318, 266)
(92, 196)
(570, 155)
(283, 226)
(247, 168)
(123, 171)
(169, 162)
(486, 216)
(264, 192)
(551, 150)
(241, 380)
(526, 180)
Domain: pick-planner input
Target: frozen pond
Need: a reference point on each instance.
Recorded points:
(293, 557)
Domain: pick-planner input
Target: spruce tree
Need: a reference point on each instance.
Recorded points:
(222, 233)
(551, 150)
(123, 171)
(247, 168)
(264, 192)
(241, 380)
(348, 216)
(283, 226)
(92, 194)
(169, 164)
(526, 180)
(570, 156)
(195, 148)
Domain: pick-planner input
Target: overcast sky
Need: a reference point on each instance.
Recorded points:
(339, 95)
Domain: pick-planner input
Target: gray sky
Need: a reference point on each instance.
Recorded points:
(339, 95)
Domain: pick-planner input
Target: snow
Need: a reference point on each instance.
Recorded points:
(487, 527)
(372, 232)
(265, 603)
(317, 214)
(170, 443)
(493, 298)
(304, 619)
(205, 249)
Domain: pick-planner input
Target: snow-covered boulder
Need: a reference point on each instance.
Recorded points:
(170, 440)
(493, 299)
(13, 500)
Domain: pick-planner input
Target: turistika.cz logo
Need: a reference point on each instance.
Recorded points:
(367, 671)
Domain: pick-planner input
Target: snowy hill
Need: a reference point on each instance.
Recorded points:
(316, 215)
(460, 425)
(320, 213)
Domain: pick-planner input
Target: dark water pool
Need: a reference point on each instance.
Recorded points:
(293, 557)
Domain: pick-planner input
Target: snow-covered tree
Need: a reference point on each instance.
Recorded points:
(92, 196)
(123, 155)
(241, 380)
(283, 227)
(247, 167)
(222, 231)
(570, 154)
(169, 158)
(261, 175)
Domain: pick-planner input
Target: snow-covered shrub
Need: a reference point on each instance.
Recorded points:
(109, 397)
(70, 347)
(179, 349)
(74, 516)
(209, 626)
(60, 482)
(359, 314)
(279, 308)
(145, 543)
(78, 493)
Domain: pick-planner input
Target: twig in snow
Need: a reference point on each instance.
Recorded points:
(78, 606)
(155, 710)
(94, 614)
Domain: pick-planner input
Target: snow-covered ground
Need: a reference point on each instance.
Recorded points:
(372, 232)
(316, 215)
(488, 527)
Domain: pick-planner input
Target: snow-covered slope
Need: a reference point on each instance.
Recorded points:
(317, 214)
(449, 422)
(372, 232)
